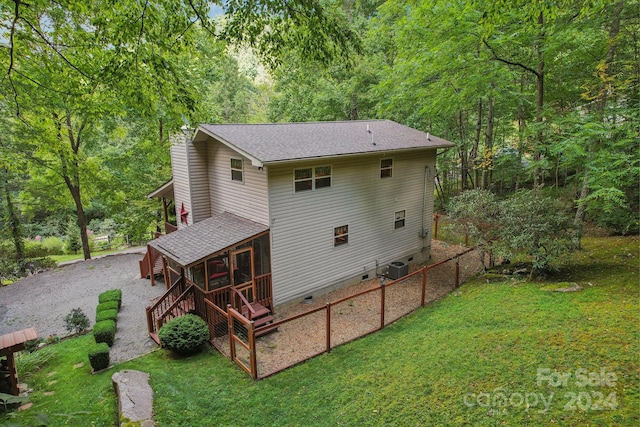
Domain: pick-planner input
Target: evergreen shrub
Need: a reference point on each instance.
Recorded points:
(184, 335)
(105, 331)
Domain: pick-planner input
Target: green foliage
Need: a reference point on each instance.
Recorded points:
(99, 356)
(107, 305)
(107, 315)
(111, 295)
(72, 243)
(28, 363)
(10, 399)
(32, 345)
(54, 245)
(105, 332)
(76, 321)
(184, 335)
(537, 225)
(524, 222)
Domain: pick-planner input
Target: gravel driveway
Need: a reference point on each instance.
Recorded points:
(43, 300)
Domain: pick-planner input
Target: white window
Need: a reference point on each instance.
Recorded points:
(386, 168)
(311, 178)
(236, 170)
(341, 235)
(399, 219)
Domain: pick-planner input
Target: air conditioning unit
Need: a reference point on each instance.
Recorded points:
(398, 269)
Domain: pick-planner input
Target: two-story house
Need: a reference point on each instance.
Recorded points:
(306, 207)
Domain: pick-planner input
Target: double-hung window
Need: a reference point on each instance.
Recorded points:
(311, 178)
(341, 235)
(399, 221)
(386, 168)
(236, 170)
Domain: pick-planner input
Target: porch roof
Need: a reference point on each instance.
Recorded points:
(165, 190)
(192, 244)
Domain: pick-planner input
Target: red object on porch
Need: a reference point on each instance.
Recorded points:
(9, 344)
(183, 214)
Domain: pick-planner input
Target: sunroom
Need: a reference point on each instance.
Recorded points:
(220, 261)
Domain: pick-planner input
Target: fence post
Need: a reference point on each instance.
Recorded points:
(382, 296)
(424, 286)
(151, 265)
(457, 271)
(435, 231)
(232, 349)
(149, 319)
(328, 326)
(252, 350)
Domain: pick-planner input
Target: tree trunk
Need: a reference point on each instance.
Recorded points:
(487, 161)
(14, 222)
(473, 156)
(537, 153)
(70, 172)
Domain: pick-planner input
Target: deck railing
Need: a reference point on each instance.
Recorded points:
(158, 312)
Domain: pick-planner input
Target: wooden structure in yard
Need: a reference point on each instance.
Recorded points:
(9, 344)
(221, 262)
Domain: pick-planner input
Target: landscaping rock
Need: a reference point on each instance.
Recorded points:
(135, 397)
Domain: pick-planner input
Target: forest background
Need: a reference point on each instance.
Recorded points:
(534, 93)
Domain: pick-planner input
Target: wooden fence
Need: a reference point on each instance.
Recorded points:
(335, 323)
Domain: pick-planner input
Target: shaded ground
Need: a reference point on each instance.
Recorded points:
(305, 337)
(43, 301)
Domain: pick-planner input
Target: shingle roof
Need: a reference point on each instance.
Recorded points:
(278, 142)
(196, 242)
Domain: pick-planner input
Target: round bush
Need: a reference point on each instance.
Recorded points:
(184, 335)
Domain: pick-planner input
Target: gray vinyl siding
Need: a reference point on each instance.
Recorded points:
(248, 198)
(199, 182)
(304, 259)
(181, 190)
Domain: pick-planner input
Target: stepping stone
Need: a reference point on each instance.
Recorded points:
(135, 397)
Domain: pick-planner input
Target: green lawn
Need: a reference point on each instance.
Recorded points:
(488, 354)
(73, 257)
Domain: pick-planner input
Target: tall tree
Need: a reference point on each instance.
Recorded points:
(70, 64)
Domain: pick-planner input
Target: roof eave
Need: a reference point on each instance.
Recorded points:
(162, 190)
(360, 153)
(196, 138)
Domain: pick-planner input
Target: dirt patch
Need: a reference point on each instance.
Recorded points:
(305, 337)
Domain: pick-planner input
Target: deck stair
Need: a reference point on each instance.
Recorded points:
(260, 315)
(177, 301)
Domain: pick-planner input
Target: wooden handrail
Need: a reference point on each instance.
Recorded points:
(169, 292)
(244, 300)
(177, 302)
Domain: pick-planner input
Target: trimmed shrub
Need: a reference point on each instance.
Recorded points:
(107, 315)
(109, 305)
(99, 356)
(111, 295)
(184, 335)
(105, 331)
(76, 321)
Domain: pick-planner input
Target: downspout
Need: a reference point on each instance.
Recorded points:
(424, 233)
